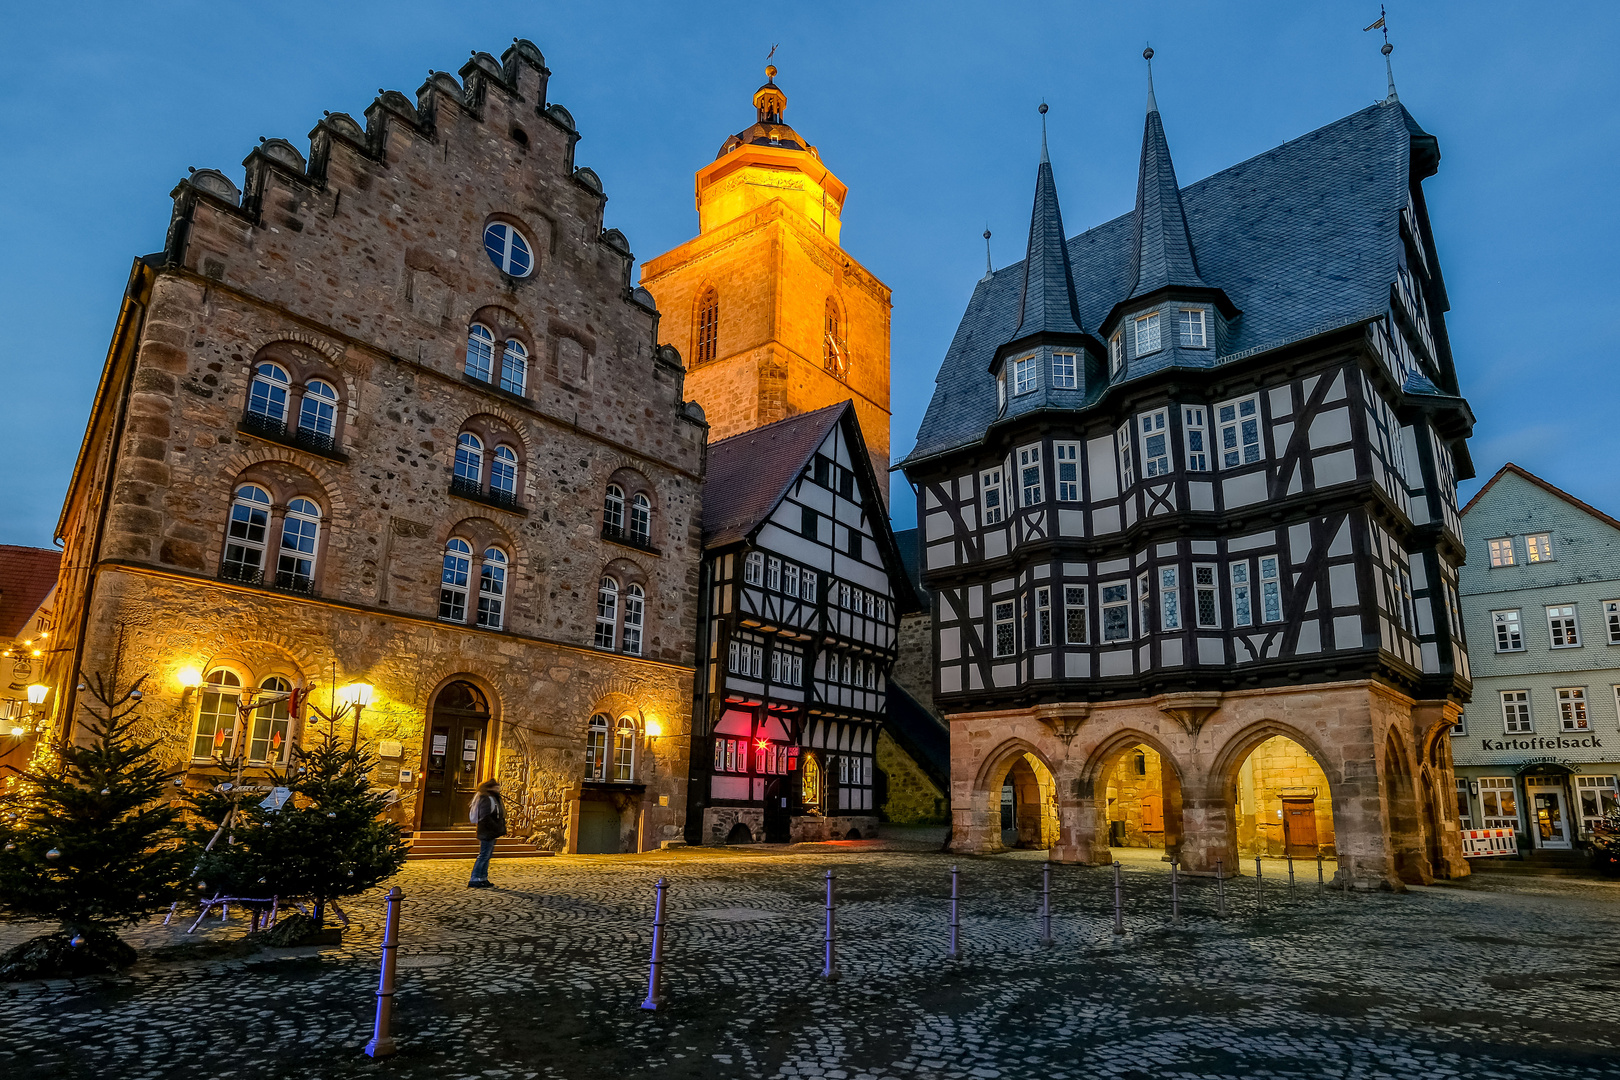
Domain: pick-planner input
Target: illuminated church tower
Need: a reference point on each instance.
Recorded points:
(771, 315)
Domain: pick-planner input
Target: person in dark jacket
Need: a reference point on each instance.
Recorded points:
(489, 814)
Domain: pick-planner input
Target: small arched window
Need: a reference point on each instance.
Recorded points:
(267, 742)
(641, 519)
(480, 352)
(811, 791)
(503, 472)
(453, 580)
(246, 533)
(1139, 763)
(507, 249)
(635, 614)
(216, 714)
(613, 511)
(624, 751)
(267, 396)
(707, 345)
(596, 748)
(607, 613)
(469, 462)
(317, 415)
(300, 531)
(492, 589)
(514, 367)
(833, 352)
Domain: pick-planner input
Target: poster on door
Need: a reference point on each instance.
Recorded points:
(1479, 843)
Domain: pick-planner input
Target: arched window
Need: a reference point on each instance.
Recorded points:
(480, 352)
(833, 351)
(469, 463)
(624, 751)
(596, 748)
(503, 473)
(453, 580)
(492, 589)
(216, 714)
(607, 613)
(635, 609)
(708, 327)
(300, 529)
(267, 739)
(245, 535)
(641, 519)
(613, 511)
(317, 414)
(812, 781)
(514, 367)
(267, 396)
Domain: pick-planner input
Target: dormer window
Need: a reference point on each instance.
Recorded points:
(1116, 352)
(1064, 373)
(1192, 329)
(1025, 375)
(1147, 334)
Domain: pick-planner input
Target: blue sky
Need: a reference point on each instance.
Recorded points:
(927, 111)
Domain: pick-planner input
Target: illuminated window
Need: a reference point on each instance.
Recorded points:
(1561, 627)
(596, 748)
(1572, 708)
(507, 249)
(1538, 547)
(1498, 802)
(624, 751)
(1501, 551)
(267, 741)
(607, 613)
(453, 580)
(1598, 796)
(708, 327)
(216, 715)
(245, 534)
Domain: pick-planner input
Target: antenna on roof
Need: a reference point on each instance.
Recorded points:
(1153, 104)
(1044, 159)
(1383, 24)
(988, 270)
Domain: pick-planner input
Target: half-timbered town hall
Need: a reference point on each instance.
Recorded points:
(801, 599)
(1187, 494)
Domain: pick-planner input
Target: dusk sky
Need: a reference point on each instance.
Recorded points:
(928, 113)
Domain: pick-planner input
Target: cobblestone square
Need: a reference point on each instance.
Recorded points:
(543, 978)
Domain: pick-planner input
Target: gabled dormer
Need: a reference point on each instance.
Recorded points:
(1171, 316)
(1050, 360)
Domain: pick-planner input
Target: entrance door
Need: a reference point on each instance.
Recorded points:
(1299, 827)
(598, 829)
(1551, 818)
(777, 830)
(455, 757)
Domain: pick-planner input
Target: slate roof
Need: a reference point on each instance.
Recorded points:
(1162, 251)
(27, 575)
(1526, 474)
(1047, 304)
(749, 473)
(1303, 239)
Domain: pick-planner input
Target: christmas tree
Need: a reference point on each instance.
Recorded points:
(326, 841)
(91, 843)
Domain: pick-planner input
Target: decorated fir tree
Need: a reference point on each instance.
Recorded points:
(90, 842)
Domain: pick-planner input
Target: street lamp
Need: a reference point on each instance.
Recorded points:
(37, 693)
(359, 696)
(189, 679)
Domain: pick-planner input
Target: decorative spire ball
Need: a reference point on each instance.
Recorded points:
(1153, 102)
(770, 72)
(1147, 54)
(1044, 158)
(1387, 49)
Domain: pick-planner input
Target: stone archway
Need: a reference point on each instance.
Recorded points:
(1034, 814)
(1132, 796)
(1028, 801)
(1260, 771)
(1402, 815)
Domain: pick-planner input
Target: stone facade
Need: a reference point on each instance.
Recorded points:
(364, 267)
(910, 796)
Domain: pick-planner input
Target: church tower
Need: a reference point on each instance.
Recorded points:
(772, 316)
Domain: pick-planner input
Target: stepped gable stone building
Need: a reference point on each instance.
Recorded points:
(1187, 485)
(390, 421)
(774, 317)
(1539, 750)
(802, 589)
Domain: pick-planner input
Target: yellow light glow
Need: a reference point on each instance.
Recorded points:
(44, 633)
(189, 678)
(17, 733)
(38, 653)
(654, 729)
(358, 694)
(37, 692)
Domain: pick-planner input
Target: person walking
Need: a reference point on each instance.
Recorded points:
(489, 814)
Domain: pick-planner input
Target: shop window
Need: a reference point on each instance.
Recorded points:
(1498, 803)
(1598, 797)
(1465, 812)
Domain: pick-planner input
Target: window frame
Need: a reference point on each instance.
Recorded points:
(469, 463)
(1026, 374)
(754, 568)
(1030, 463)
(1600, 784)
(1153, 429)
(1499, 552)
(1241, 445)
(455, 577)
(1516, 710)
(1147, 334)
(1270, 588)
(1107, 606)
(492, 582)
(1043, 616)
(706, 327)
(634, 605)
(1242, 582)
(1611, 620)
(1003, 629)
(991, 484)
(1502, 794)
(1565, 626)
(1122, 443)
(503, 470)
(480, 346)
(1065, 371)
(1195, 430)
(607, 613)
(1508, 625)
(1538, 548)
(1210, 590)
(641, 518)
(1573, 715)
(300, 544)
(323, 406)
(1075, 604)
(511, 242)
(278, 391)
(219, 692)
(1169, 598)
(1185, 331)
(240, 534)
(1066, 455)
(519, 365)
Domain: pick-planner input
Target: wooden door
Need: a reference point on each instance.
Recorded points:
(1299, 827)
(453, 760)
(598, 829)
(1152, 813)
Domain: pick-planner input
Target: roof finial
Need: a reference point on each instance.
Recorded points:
(1153, 104)
(1389, 70)
(988, 269)
(1044, 159)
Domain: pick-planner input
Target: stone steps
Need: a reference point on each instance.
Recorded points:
(463, 844)
(1542, 863)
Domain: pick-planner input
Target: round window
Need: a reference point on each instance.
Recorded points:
(507, 249)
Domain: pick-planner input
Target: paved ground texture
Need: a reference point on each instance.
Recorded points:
(543, 978)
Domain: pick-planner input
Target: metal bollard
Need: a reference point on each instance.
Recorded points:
(1290, 876)
(1259, 890)
(1220, 889)
(655, 992)
(956, 924)
(382, 1041)
(1046, 904)
(1119, 900)
(1321, 882)
(829, 969)
(1175, 893)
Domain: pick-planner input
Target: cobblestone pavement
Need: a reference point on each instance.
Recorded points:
(543, 977)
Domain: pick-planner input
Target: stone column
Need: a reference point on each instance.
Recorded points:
(1432, 722)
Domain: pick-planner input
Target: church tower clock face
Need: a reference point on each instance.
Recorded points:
(771, 316)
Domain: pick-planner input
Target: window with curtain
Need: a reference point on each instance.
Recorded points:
(267, 740)
(596, 748)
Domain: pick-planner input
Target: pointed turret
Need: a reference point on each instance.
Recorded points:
(1162, 256)
(1048, 303)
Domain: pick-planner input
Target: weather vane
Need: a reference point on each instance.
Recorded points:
(1383, 24)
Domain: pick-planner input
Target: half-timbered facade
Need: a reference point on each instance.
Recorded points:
(1187, 482)
(798, 632)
